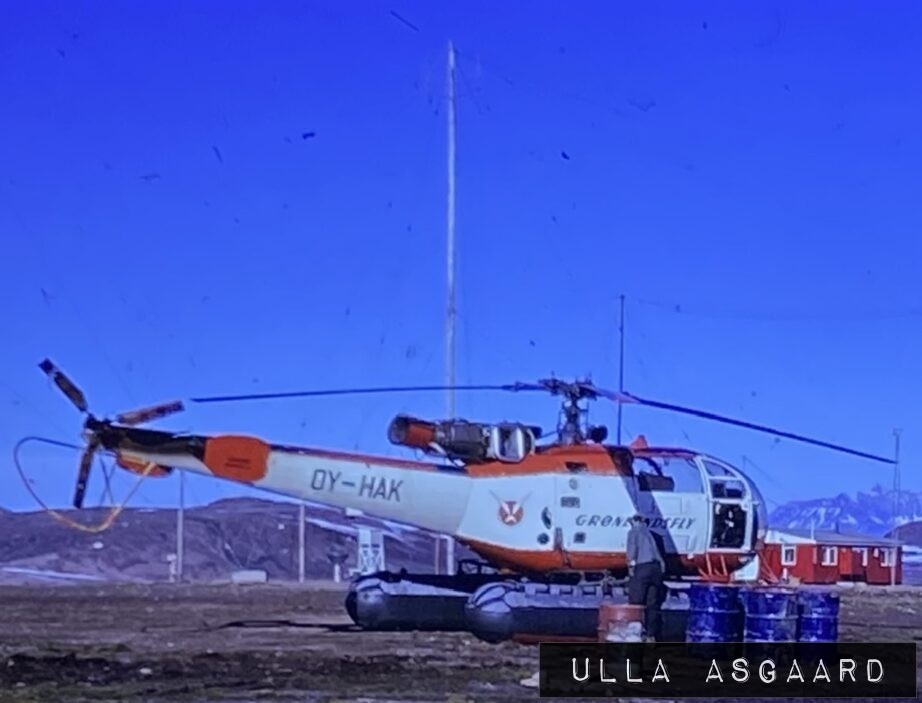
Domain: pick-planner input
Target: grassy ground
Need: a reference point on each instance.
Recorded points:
(187, 643)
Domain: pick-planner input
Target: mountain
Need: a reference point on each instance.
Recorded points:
(220, 538)
(869, 513)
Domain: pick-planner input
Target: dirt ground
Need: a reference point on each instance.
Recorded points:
(281, 643)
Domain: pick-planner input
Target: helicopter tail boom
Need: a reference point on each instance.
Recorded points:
(430, 496)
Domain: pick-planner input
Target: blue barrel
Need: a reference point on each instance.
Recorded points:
(771, 615)
(714, 613)
(819, 616)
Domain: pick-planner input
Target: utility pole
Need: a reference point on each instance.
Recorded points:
(180, 525)
(621, 367)
(450, 322)
(896, 503)
(301, 563)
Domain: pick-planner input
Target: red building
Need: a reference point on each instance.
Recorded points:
(826, 556)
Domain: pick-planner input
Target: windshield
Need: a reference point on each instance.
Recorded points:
(725, 482)
(668, 473)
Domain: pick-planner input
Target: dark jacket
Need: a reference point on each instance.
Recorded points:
(642, 547)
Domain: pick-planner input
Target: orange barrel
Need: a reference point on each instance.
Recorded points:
(620, 622)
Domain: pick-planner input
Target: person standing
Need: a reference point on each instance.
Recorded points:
(646, 570)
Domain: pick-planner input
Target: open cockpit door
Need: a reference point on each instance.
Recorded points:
(731, 506)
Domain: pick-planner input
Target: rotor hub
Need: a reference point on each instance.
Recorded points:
(573, 427)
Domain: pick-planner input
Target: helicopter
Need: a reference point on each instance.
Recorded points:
(548, 520)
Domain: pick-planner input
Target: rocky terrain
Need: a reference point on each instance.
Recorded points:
(204, 643)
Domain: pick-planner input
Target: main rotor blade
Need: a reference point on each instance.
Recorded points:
(629, 398)
(512, 387)
(74, 394)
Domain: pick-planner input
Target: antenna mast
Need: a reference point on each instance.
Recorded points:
(621, 366)
(450, 322)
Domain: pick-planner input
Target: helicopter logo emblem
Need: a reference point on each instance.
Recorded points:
(511, 512)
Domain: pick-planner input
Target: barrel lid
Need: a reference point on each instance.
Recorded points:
(769, 591)
(620, 608)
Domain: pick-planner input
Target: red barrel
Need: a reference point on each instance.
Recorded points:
(620, 622)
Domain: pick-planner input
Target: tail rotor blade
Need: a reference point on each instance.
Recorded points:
(83, 476)
(74, 394)
(141, 415)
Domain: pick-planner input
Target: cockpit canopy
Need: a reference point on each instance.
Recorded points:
(679, 471)
(733, 493)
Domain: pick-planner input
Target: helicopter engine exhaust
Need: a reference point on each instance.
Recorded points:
(410, 432)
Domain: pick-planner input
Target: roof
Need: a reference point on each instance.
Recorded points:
(830, 537)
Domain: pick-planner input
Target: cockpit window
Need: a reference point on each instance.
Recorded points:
(672, 474)
(724, 482)
(716, 469)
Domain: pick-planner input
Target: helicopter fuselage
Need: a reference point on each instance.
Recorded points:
(557, 516)
(560, 508)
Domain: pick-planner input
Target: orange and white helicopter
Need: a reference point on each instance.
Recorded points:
(544, 517)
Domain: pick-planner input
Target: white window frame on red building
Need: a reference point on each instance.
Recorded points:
(785, 551)
(887, 556)
(824, 550)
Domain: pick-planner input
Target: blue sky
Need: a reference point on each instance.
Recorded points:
(746, 175)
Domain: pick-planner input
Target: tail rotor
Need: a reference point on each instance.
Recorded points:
(130, 418)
